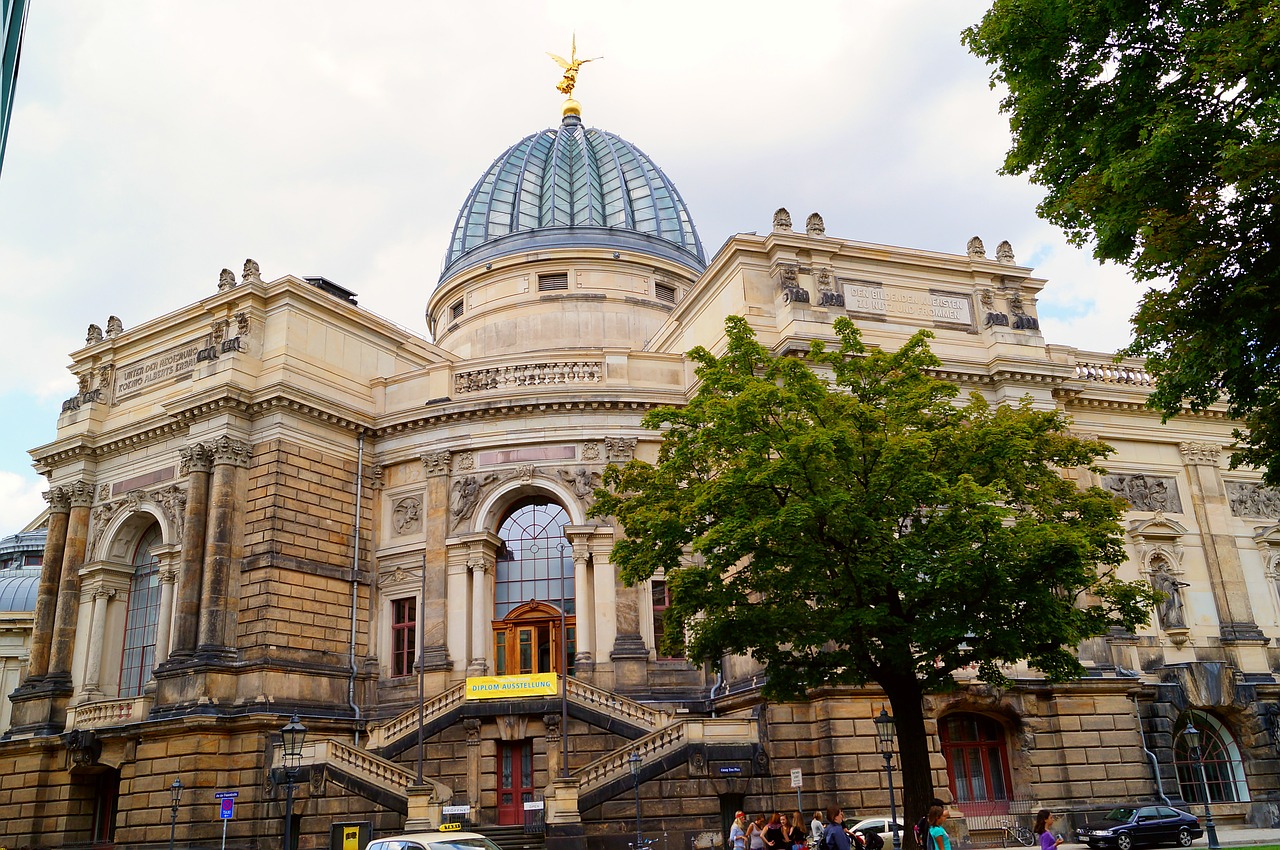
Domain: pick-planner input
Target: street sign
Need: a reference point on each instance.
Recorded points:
(228, 808)
(797, 778)
(226, 795)
(456, 810)
(533, 806)
(731, 768)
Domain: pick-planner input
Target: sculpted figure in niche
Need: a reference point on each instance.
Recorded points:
(1172, 612)
(226, 280)
(977, 250)
(781, 219)
(93, 335)
(814, 225)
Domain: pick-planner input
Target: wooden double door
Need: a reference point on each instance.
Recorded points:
(528, 641)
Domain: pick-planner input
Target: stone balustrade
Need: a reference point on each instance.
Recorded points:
(112, 712)
(550, 373)
(1115, 373)
(398, 727)
(617, 706)
(618, 763)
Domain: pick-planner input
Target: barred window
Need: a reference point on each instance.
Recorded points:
(550, 282)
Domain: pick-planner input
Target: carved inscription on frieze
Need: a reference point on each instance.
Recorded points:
(176, 362)
(869, 298)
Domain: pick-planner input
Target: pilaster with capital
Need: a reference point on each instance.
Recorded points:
(50, 574)
(80, 494)
(479, 552)
(1226, 574)
(196, 464)
(472, 726)
(224, 549)
(584, 598)
(168, 576)
(435, 606)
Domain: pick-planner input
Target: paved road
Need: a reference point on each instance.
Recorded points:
(1228, 836)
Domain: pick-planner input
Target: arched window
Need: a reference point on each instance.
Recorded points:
(139, 654)
(1223, 771)
(977, 761)
(534, 577)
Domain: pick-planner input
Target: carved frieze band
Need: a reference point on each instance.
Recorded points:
(1146, 492)
(529, 375)
(1250, 499)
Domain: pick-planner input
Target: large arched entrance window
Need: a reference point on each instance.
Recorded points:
(977, 761)
(139, 656)
(533, 579)
(1223, 771)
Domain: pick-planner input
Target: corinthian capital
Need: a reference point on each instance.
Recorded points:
(59, 500)
(226, 450)
(195, 458)
(1200, 453)
(80, 494)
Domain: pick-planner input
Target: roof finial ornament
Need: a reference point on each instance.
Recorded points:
(570, 79)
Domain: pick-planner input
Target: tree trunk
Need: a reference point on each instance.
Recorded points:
(905, 701)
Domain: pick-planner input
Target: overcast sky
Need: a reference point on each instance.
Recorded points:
(154, 143)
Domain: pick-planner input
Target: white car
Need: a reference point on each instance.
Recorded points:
(447, 840)
(882, 825)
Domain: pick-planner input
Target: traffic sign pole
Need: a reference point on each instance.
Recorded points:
(797, 780)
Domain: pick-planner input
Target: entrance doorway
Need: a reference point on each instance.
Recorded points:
(528, 641)
(515, 780)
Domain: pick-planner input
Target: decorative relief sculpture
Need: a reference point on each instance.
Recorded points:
(582, 481)
(528, 375)
(977, 251)
(226, 280)
(789, 283)
(437, 462)
(377, 476)
(1004, 253)
(814, 226)
(1146, 492)
(218, 331)
(591, 451)
(1201, 453)
(525, 473)
(169, 501)
(828, 296)
(466, 494)
(782, 219)
(252, 274)
(93, 335)
(994, 318)
(242, 323)
(619, 449)
(466, 461)
(1021, 321)
(1250, 499)
(172, 501)
(114, 327)
(406, 516)
(104, 492)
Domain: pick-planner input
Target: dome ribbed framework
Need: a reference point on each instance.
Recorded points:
(573, 185)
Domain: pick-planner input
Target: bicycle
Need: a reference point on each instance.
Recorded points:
(1018, 833)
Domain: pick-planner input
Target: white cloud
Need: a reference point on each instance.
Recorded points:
(20, 501)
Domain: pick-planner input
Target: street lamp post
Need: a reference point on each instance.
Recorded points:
(886, 732)
(634, 760)
(293, 734)
(175, 794)
(1193, 735)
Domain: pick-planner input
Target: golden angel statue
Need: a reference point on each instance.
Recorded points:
(571, 66)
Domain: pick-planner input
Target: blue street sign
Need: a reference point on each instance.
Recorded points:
(731, 769)
(228, 808)
(223, 795)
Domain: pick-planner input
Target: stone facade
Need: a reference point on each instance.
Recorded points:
(292, 493)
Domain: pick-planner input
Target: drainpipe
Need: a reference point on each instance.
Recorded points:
(355, 576)
(1155, 765)
(719, 683)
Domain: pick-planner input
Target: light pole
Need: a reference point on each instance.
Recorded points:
(564, 672)
(1193, 735)
(634, 759)
(886, 732)
(175, 794)
(293, 734)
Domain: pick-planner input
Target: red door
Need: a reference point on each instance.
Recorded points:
(515, 780)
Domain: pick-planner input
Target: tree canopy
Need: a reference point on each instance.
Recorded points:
(843, 521)
(1155, 127)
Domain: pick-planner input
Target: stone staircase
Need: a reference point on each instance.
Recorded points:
(370, 776)
(512, 837)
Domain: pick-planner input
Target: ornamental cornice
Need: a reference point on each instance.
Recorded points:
(498, 411)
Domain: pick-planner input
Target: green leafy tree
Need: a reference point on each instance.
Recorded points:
(1155, 127)
(843, 521)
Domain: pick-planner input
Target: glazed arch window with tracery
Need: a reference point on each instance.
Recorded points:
(533, 578)
(141, 615)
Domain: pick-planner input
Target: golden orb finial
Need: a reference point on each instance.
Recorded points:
(570, 78)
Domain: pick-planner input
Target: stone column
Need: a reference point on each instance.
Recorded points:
(481, 614)
(47, 597)
(1226, 575)
(435, 615)
(584, 598)
(168, 574)
(97, 636)
(472, 727)
(68, 608)
(197, 460)
(223, 550)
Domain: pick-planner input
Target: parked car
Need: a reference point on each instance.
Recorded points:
(882, 825)
(439, 840)
(1127, 826)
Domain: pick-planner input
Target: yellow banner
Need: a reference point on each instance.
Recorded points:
(507, 687)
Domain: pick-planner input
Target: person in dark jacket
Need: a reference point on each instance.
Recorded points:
(834, 837)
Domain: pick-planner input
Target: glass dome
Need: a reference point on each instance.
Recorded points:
(573, 186)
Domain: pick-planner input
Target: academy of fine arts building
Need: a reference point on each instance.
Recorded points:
(274, 503)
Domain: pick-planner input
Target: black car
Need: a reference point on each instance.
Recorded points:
(1126, 826)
